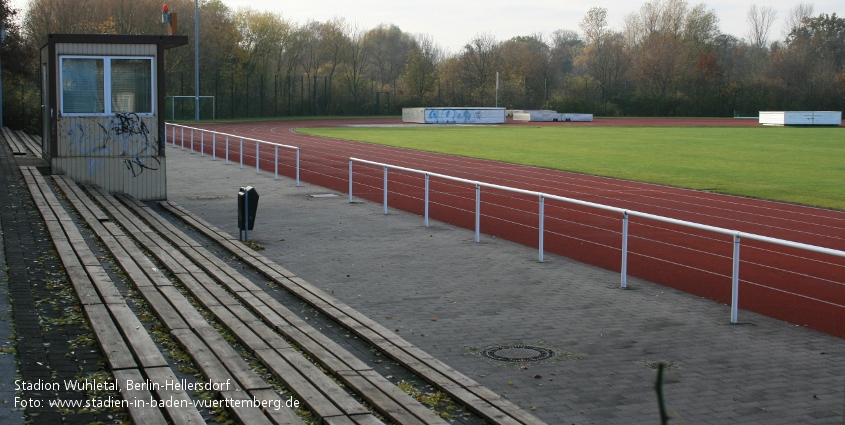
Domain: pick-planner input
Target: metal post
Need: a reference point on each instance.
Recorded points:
(624, 271)
(426, 198)
(214, 146)
(197, 55)
(257, 151)
(202, 143)
(350, 180)
(276, 162)
(297, 170)
(385, 190)
(242, 153)
(192, 141)
(227, 150)
(477, 212)
(541, 225)
(497, 89)
(735, 282)
(173, 135)
(183, 138)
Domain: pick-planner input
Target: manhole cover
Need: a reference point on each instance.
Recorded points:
(517, 353)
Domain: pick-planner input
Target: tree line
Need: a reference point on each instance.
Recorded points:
(670, 58)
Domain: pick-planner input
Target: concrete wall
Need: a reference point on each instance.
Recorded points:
(550, 116)
(454, 115)
(801, 118)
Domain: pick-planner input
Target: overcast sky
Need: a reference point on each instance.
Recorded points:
(452, 23)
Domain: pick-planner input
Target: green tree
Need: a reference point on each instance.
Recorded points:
(421, 69)
(479, 61)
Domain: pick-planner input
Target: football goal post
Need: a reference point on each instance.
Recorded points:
(182, 108)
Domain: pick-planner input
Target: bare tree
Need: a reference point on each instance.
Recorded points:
(594, 25)
(333, 34)
(796, 16)
(356, 56)
(759, 21)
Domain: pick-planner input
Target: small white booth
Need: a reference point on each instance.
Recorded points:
(102, 120)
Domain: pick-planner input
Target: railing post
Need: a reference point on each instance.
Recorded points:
(192, 141)
(242, 153)
(214, 146)
(624, 271)
(297, 167)
(173, 135)
(541, 223)
(227, 150)
(257, 151)
(735, 281)
(350, 179)
(276, 162)
(183, 138)
(477, 213)
(385, 190)
(427, 177)
(202, 143)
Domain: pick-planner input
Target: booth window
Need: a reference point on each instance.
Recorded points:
(106, 85)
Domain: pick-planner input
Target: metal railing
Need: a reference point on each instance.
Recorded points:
(624, 213)
(202, 132)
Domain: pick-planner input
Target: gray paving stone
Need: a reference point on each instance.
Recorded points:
(404, 275)
(8, 365)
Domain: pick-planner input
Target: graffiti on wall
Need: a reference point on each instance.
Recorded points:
(134, 138)
(125, 135)
(464, 116)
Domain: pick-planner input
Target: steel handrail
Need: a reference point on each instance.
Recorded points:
(736, 235)
(241, 138)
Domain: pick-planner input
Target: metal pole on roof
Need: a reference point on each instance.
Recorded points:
(197, 55)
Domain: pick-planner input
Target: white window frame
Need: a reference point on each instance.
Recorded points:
(107, 93)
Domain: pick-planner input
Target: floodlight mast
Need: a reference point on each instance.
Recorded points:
(197, 55)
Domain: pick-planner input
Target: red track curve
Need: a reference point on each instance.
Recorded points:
(793, 285)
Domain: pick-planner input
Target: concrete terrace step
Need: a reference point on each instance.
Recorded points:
(18, 148)
(461, 388)
(30, 143)
(257, 321)
(129, 349)
(214, 357)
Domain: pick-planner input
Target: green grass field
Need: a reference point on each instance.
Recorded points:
(798, 165)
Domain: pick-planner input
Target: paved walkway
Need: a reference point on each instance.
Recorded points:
(49, 335)
(453, 298)
(8, 365)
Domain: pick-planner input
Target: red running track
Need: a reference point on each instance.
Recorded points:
(797, 286)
